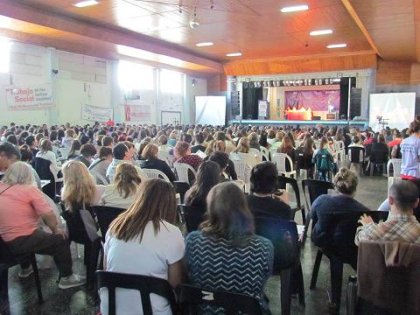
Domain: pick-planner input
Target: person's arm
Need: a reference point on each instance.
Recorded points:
(51, 221)
(175, 273)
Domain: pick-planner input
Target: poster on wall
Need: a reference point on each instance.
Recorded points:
(262, 109)
(137, 113)
(321, 100)
(29, 98)
(96, 113)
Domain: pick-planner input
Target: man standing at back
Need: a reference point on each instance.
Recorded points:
(401, 224)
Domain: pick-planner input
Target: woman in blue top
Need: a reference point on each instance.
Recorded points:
(226, 254)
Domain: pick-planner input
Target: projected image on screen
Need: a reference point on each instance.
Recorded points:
(397, 109)
(210, 110)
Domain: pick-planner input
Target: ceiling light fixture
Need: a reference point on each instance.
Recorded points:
(87, 3)
(194, 23)
(235, 54)
(343, 45)
(320, 32)
(295, 8)
(204, 44)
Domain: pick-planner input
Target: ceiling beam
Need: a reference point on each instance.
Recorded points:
(358, 21)
(103, 33)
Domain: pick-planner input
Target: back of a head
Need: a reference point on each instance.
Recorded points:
(26, 153)
(105, 152)
(126, 179)
(228, 213)
(119, 151)
(107, 141)
(221, 158)
(264, 178)
(199, 138)
(150, 151)
(19, 173)
(88, 150)
(10, 151)
(345, 181)
(181, 148)
(414, 127)
(30, 140)
(405, 194)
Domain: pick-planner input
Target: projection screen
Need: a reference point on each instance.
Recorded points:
(210, 110)
(397, 109)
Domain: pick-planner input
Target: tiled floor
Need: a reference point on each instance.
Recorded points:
(23, 298)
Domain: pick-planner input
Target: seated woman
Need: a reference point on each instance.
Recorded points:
(324, 233)
(151, 161)
(74, 149)
(144, 241)
(304, 155)
(219, 149)
(47, 153)
(20, 229)
(208, 176)
(122, 192)
(265, 200)
(227, 236)
(183, 154)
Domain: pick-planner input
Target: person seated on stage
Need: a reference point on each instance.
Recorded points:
(401, 224)
(265, 200)
(123, 191)
(20, 229)
(151, 161)
(324, 234)
(219, 255)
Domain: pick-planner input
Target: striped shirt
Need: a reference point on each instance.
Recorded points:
(398, 227)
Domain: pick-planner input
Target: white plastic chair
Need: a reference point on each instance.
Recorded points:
(182, 172)
(251, 159)
(279, 159)
(154, 173)
(396, 166)
(165, 156)
(266, 153)
(243, 170)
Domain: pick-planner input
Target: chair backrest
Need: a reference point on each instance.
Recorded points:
(190, 297)
(183, 170)
(280, 160)
(165, 156)
(396, 167)
(265, 152)
(181, 188)
(284, 236)
(193, 217)
(42, 167)
(356, 154)
(257, 154)
(312, 189)
(144, 284)
(76, 226)
(283, 180)
(105, 216)
(243, 170)
(249, 158)
(153, 173)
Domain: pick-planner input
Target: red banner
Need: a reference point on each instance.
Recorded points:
(137, 113)
(316, 100)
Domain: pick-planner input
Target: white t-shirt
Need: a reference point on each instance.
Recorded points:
(151, 257)
(410, 151)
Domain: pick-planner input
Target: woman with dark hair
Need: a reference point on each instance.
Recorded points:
(208, 176)
(265, 200)
(150, 160)
(74, 149)
(226, 254)
(304, 155)
(183, 154)
(46, 152)
(288, 148)
(144, 240)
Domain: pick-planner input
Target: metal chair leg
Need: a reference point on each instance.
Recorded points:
(315, 270)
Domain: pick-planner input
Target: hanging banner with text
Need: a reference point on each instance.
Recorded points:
(137, 113)
(29, 98)
(96, 113)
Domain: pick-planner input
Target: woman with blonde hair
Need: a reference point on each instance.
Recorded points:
(79, 189)
(151, 161)
(144, 240)
(123, 191)
(243, 146)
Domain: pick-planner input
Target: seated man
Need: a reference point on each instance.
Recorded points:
(401, 224)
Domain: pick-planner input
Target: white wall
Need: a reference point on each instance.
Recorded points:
(81, 79)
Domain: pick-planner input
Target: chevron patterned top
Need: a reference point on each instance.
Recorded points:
(217, 264)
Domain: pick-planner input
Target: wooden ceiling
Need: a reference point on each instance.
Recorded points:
(160, 32)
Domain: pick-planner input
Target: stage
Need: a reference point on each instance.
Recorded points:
(299, 123)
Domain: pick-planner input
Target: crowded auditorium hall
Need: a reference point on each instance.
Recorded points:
(210, 157)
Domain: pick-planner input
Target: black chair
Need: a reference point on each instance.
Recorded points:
(283, 181)
(191, 297)
(193, 217)
(7, 260)
(105, 216)
(284, 236)
(144, 284)
(304, 162)
(357, 156)
(378, 160)
(42, 167)
(181, 188)
(347, 222)
(82, 230)
(312, 189)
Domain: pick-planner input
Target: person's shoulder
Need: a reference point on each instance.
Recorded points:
(262, 242)
(194, 235)
(169, 228)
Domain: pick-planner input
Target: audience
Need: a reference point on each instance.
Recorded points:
(144, 240)
(225, 249)
(87, 154)
(151, 161)
(123, 191)
(100, 165)
(183, 154)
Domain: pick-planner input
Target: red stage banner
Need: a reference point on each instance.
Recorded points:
(316, 100)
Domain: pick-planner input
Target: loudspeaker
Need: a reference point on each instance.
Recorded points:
(355, 102)
(344, 94)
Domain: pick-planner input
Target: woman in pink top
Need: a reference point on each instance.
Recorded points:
(21, 207)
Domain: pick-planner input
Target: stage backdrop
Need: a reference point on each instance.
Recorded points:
(315, 100)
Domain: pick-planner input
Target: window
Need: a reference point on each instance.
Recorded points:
(171, 82)
(134, 76)
(5, 46)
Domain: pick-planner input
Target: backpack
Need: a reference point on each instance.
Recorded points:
(323, 161)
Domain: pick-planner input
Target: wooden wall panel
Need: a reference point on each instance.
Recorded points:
(216, 84)
(301, 65)
(397, 73)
